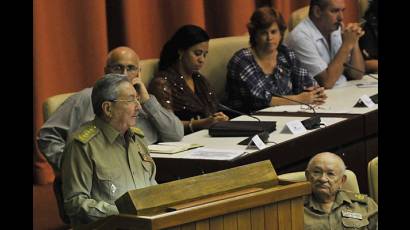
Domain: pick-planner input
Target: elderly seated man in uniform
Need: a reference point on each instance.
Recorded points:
(329, 207)
(106, 157)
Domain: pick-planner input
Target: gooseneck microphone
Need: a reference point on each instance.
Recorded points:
(224, 107)
(360, 71)
(264, 136)
(310, 123)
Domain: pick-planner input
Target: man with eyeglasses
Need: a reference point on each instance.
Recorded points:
(329, 207)
(157, 123)
(106, 157)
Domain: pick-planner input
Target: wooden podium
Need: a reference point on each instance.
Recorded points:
(247, 197)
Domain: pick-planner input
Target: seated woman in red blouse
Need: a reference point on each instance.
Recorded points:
(180, 87)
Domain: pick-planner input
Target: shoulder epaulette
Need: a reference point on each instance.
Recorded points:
(137, 131)
(362, 198)
(87, 134)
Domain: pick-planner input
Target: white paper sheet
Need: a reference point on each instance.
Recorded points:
(214, 154)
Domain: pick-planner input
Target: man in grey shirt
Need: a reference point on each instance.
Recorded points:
(156, 122)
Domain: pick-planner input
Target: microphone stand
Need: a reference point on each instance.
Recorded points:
(310, 123)
(221, 106)
(263, 135)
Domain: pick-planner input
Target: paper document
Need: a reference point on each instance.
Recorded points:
(171, 147)
(214, 154)
(303, 108)
(368, 85)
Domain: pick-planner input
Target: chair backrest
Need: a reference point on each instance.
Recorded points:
(350, 185)
(301, 13)
(52, 103)
(297, 16)
(220, 52)
(363, 5)
(373, 176)
(148, 69)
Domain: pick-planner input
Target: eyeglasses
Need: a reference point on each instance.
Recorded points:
(318, 174)
(318, 107)
(134, 100)
(121, 68)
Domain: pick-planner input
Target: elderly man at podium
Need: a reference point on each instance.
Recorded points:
(107, 156)
(329, 207)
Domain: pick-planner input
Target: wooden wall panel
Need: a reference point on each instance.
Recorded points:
(271, 217)
(216, 223)
(244, 220)
(189, 226)
(230, 222)
(202, 225)
(284, 215)
(257, 218)
(297, 213)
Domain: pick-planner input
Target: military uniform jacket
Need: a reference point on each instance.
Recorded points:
(350, 211)
(98, 168)
(157, 123)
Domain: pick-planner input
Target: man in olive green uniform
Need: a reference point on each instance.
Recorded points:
(106, 157)
(329, 207)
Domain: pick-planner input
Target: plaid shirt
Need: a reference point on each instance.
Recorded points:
(249, 89)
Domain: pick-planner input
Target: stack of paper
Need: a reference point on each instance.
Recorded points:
(171, 147)
(214, 154)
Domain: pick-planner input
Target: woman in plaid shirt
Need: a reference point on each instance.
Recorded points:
(256, 75)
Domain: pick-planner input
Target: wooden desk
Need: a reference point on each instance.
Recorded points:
(354, 139)
(245, 197)
(347, 138)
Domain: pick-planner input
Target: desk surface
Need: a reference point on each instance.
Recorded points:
(231, 143)
(340, 100)
(351, 133)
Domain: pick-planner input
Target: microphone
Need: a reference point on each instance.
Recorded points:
(240, 128)
(224, 107)
(264, 136)
(310, 123)
(360, 71)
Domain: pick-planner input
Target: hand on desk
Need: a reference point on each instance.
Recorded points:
(313, 95)
(204, 123)
(219, 116)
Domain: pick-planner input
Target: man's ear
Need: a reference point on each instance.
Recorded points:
(344, 178)
(106, 70)
(106, 108)
(307, 174)
(317, 12)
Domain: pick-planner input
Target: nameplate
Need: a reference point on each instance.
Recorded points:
(295, 127)
(367, 101)
(354, 215)
(258, 142)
